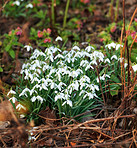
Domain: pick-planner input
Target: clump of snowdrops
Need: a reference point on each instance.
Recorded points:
(66, 81)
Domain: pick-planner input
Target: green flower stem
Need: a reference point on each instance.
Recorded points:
(116, 12)
(66, 11)
(110, 9)
(59, 107)
(52, 13)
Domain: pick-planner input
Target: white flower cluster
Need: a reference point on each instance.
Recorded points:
(53, 70)
(66, 74)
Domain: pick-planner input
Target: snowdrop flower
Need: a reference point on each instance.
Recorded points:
(96, 87)
(118, 46)
(59, 86)
(76, 48)
(59, 56)
(99, 55)
(89, 95)
(29, 5)
(125, 65)
(24, 92)
(28, 47)
(73, 86)
(134, 68)
(33, 99)
(22, 115)
(19, 107)
(120, 59)
(11, 92)
(88, 67)
(43, 86)
(74, 74)
(93, 62)
(13, 99)
(84, 79)
(88, 48)
(33, 91)
(39, 98)
(82, 92)
(114, 57)
(16, 3)
(69, 102)
(59, 96)
(58, 39)
(84, 43)
(107, 60)
(84, 63)
(103, 77)
(111, 45)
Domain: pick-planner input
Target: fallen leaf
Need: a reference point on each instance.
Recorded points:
(48, 115)
(72, 143)
(24, 39)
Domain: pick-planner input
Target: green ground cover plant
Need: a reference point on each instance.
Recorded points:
(70, 82)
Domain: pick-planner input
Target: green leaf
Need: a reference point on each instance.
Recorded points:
(7, 48)
(114, 87)
(1, 69)
(113, 92)
(12, 53)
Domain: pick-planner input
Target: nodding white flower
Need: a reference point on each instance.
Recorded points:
(16, 3)
(84, 79)
(28, 47)
(24, 92)
(88, 67)
(125, 65)
(82, 92)
(96, 87)
(111, 45)
(59, 96)
(93, 62)
(103, 77)
(35, 79)
(88, 48)
(114, 57)
(74, 74)
(19, 107)
(118, 46)
(58, 39)
(73, 86)
(29, 5)
(11, 92)
(59, 56)
(39, 98)
(22, 115)
(76, 48)
(59, 86)
(107, 60)
(120, 59)
(89, 95)
(69, 102)
(84, 63)
(134, 68)
(13, 99)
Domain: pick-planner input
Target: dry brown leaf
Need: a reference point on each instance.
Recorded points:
(48, 115)
(18, 66)
(5, 111)
(72, 143)
(24, 39)
(5, 58)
